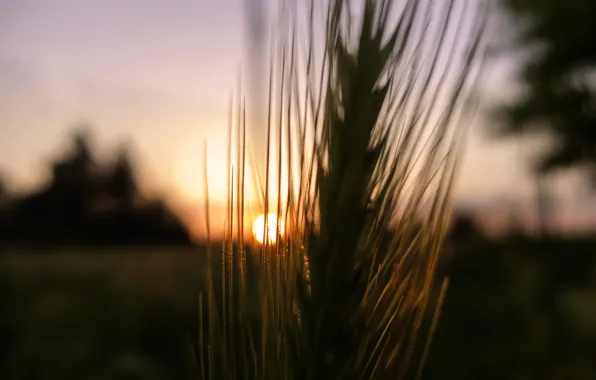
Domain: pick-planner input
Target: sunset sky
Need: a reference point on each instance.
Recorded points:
(160, 73)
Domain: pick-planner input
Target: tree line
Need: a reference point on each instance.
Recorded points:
(87, 202)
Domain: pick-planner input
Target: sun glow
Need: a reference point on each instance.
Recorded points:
(259, 232)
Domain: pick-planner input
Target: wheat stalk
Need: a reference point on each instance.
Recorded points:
(369, 131)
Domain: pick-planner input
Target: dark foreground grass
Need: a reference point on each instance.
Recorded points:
(96, 315)
(516, 308)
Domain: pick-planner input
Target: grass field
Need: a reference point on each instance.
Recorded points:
(96, 315)
(519, 309)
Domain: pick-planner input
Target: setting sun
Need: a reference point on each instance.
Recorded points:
(259, 228)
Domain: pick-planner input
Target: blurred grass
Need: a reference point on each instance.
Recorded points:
(514, 309)
(95, 315)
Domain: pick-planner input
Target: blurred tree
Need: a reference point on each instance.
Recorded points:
(464, 227)
(75, 185)
(3, 212)
(3, 191)
(559, 78)
(77, 170)
(89, 202)
(121, 182)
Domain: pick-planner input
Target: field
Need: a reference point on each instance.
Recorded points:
(97, 315)
(514, 308)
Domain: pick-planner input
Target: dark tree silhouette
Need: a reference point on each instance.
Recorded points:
(3, 191)
(75, 184)
(464, 227)
(121, 182)
(559, 79)
(4, 203)
(90, 203)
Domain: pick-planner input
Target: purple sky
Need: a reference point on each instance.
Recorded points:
(160, 73)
